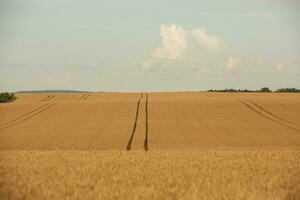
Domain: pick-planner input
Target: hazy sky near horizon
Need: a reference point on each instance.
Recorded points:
(153, 45)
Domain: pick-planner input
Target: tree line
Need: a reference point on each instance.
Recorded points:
(264, 89)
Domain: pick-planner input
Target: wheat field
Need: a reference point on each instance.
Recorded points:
(188, 145)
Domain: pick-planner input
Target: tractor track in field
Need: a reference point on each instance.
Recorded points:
(33, 113)
(128, 147)
(87, 96)
(44, 99)
(82, 96)
(267, 117)
(209, 94)
(267, 111)
(52, 97)
(24, 115)
(48, 98)
(146, 133)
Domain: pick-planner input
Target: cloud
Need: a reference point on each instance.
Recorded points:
(48, 77)
(211, 42)
(179, 49)
(199, 71)
(202, 71)
(174, 42)
(57, 78)
(280, 67)
(287, 65)
(68, 77)
(232, 63)
(151, 65)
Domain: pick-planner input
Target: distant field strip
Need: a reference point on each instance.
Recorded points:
(270, 113)
(128, 147)
(27, 116)
(146, 134)
(146, 122)
(264, 114)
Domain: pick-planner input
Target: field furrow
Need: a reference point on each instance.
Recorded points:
(87, 96)
(82, 97)
(28, 117)
(128, 147)
(270, 113)
(138, 142)
(267, 117)
(24, 115)
(146, 141)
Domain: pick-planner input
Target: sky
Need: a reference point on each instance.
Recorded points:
(158, 45)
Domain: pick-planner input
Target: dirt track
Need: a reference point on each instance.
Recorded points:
(99, 121)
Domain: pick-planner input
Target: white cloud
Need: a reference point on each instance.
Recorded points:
(48, 77)
(177, 50)
(208, 41)
(151, 65)
(57, 78)
(202, 71)
(199, 71)
(232, 63)
(280, 67)
(286, 65)
(68, 77)
(174, 39)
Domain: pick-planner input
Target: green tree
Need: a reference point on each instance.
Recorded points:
(265, 89)
(6, 97)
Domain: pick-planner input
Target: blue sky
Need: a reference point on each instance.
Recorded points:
(149, 45)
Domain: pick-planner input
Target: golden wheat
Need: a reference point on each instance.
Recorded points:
(201, 146)
(152, 175)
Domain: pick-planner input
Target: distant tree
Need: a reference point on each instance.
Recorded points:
(292, 90)
(265, 89)
(6, 97)
(230, 90)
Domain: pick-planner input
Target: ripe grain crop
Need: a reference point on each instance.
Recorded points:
(152, 175)
(189, 145)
